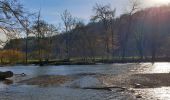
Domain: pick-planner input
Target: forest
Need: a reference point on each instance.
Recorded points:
(140, 34)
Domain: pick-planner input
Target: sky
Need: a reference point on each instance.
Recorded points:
(51, 9)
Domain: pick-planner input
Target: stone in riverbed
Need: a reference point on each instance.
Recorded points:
(138, 96)
(4, 75)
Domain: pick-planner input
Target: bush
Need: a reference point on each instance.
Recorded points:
(11, 56)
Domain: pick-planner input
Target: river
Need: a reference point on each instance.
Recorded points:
(15, 91)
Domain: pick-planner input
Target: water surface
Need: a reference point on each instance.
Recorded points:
(16, 91)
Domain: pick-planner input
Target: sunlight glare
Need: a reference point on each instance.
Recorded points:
(160, 68)
(159, 2)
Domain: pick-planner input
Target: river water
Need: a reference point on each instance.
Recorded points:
(14, 91)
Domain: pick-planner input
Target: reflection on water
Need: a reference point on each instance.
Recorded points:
(160, 68)
(72, 69)
(162, 93)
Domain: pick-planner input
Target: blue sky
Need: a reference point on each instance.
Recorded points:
(51, 9)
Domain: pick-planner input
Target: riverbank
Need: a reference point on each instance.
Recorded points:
(99, 61)
(87, 62)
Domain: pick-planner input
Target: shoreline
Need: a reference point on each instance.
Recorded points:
(78, 62)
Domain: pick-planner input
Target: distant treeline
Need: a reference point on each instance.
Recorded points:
(143, 34)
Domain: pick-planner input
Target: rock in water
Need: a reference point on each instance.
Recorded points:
(4, 75)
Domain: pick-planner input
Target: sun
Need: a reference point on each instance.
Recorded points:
(160, 2)
(149, 3)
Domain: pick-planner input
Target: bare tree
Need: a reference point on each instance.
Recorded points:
(155, 39)
(69, 24)
(104, 14)
(134, 7)
(40, 28)
(51, 31)
(139, 33)
(9, 10)
(13, 19)
(139, 39)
